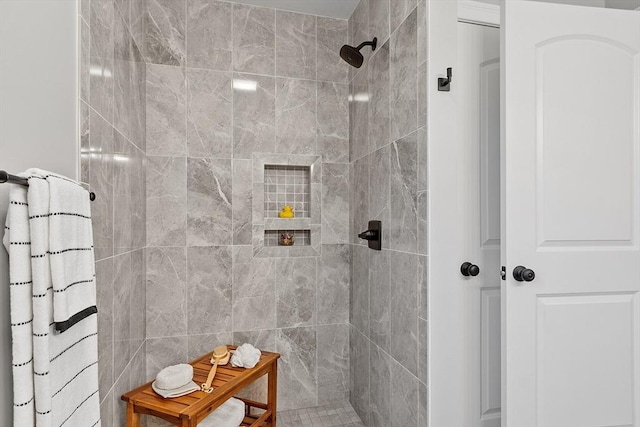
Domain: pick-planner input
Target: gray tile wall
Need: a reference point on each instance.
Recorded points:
(388, 169)
(112, 75)
(204, 285)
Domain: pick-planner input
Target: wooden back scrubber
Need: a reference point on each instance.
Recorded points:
(220, 356)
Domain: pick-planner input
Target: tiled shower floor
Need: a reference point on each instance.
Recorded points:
(340, 414)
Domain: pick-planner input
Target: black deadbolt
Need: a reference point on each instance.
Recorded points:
(467, 269)
(523, 274)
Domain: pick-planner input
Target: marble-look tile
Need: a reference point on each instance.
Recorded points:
(379, 19)
(379, 123)
(254, 115)
(334, 284)
(121, 76)
(198, 345)
(241, 201)
(403, 223)
(101, 57)
(333, 122)
(333, 363)
(380, 387)
(138, 10)
(209, 113)
(209, 29)
(332, 35)
(295, 116)
(209, 277)
(106, 409)
(138, 120)
(264, 340)
(295, 292)
(359, 364)
(423, 10)
(85, 136)
(359, 30)
(423, 350)
(122, 312)
(423, 287)
(295, 45)
(139, 367)
(123, 168)
(209, 202)
(254, 39)
(105, 368)
(166, 292)
(359, 206)
(101, 183)
(84, 9)
(403, 270)
(403, 71)
(423, 405)
(166, 201)
(104, 300)
(399, 10)
(121, 386)
(380, 289)
(138, 198)
(359, 119)
(380, 207)
(360, 289)
(335, 203)
(138, 294)
(84, 59)
(422, 94)
(404, 397)
(163, 352)
(165, 31)
(297, 376)
(166, 111)
(254, 293)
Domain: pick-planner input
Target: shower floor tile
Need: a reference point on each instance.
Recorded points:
(334, 415)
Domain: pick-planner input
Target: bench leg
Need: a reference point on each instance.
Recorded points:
(272, 393)
(133, 419)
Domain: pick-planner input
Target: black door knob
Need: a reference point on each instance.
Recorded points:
(467, 269)
(523, 274)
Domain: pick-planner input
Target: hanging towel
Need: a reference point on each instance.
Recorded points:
(65, 365)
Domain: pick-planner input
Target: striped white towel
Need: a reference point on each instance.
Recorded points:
(65, 365)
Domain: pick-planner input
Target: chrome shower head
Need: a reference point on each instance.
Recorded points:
(352, 54)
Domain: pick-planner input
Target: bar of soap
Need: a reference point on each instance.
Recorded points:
(174, 376)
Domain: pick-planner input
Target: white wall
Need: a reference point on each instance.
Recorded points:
(38, 96)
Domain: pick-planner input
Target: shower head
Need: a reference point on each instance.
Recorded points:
(352, 54)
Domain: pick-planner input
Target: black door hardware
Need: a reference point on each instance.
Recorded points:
(373, 235)
(444, 85)
(523, 274)
(467, 269)
(503, 272)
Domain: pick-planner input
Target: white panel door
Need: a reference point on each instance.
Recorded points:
(478, 92)
(570, 141)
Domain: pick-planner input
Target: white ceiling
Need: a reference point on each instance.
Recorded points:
(332, 8)
(613, 4)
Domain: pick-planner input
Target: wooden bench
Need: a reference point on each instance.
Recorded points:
(189, 410)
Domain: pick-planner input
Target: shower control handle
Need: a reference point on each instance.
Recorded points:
(523, 274)
(468, 269)
(369, 235)
(373, 235)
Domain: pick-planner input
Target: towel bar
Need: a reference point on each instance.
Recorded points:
(13, 179)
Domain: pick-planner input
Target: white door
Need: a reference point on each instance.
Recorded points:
(478, 91)
(570, 181)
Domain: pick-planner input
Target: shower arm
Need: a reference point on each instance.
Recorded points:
(363, 44)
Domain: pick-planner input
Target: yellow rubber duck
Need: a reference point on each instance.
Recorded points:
(286, 212)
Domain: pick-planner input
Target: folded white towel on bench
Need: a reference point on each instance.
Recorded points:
(229, 414)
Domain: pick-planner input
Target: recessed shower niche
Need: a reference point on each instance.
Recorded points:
(286, 180)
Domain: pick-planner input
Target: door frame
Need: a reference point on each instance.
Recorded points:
(446, 309)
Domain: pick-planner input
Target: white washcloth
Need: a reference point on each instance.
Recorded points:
(229, 414)
(64, 371)
(174, 376)
(245, 356)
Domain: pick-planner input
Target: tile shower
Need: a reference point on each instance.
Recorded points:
(183, 104)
